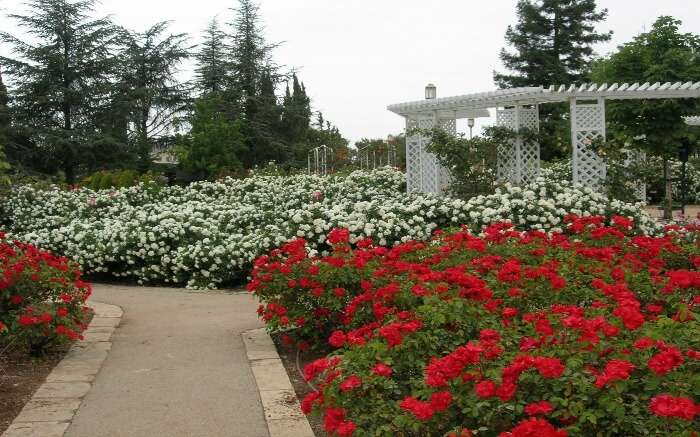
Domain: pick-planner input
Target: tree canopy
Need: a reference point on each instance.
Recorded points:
(663, 54)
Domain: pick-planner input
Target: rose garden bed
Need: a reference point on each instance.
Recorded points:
(589, 331)
(42, 312)
(207, 234)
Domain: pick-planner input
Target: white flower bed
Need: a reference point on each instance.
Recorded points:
(208, 233)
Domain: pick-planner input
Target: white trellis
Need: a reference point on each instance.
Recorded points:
(518, 108)
(318, 160)
(519, 161)
(371, 157)
(692, 121)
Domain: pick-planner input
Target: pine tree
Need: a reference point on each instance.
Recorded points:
(296, 113)
(266, 125)
(214, 144)
(62, 79)
(553, 42)
(154, 97)
(212, 69)
(4, 110)
(251, 63)
(4, 128)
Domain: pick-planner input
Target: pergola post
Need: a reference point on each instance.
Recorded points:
(518, 162)
(413, 157)
(587, 126)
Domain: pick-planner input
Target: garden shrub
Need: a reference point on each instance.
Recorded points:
(588, 331)
(42, 297)
(110, 179)
(208, 233)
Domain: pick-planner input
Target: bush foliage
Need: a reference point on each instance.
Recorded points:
(42, 297)
(589, 331)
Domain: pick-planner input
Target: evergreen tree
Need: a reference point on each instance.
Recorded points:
(153, 96)
(553, 45)
(4, 129)
(212, 69)
(214, 143)
(62, 79)
(4, 110)
(664, 54)
(296, 113)
(251, 64)
(553, 42)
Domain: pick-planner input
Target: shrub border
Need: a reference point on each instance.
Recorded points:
(51, 409)
(280, 404)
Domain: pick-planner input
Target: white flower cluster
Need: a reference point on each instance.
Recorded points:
(543, 205)
(208, 233)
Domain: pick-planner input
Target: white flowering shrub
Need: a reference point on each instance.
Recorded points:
(208, 233)
(544, 204)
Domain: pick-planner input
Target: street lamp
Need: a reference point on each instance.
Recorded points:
(430, 92)
(470, 123)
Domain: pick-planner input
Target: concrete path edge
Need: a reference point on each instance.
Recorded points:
(282, 409)
(51, 409)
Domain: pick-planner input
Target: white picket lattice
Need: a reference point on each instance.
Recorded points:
(637, 157)
(518, 162)
(413, 155)
(587, 126)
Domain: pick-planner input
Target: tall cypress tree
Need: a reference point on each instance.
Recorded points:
(154, 97)
(296, 113)
(212, 66)
(62, 79)
(553, 45)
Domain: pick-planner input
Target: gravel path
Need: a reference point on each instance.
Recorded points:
(177, 367)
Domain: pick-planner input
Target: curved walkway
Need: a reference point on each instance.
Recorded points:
(177, 367)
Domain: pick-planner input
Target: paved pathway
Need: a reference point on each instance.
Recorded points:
(177, 367)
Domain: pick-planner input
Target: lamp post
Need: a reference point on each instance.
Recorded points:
(470, 123)
(430, 92)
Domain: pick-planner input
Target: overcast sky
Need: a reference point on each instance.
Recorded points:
(358, 56)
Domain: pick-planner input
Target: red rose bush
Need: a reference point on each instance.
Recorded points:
(42, 297)
(591, 331)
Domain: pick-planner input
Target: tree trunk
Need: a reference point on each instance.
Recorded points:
(668, 201)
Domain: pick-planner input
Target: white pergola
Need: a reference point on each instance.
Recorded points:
(518, 108)
(692, 121)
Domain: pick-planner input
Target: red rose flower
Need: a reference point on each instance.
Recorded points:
(350, 383)
(538, 408)
(665, 361)
(337, 339)
(485, 389)
(381, 369)
(534, 427)
(665, 405)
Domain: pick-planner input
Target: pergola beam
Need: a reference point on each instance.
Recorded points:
(517, 161)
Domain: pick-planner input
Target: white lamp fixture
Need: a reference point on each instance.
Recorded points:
(430, 92)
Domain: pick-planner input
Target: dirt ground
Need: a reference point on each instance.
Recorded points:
(289, 356)
(20, 376)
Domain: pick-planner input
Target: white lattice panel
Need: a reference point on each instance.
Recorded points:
(413, 165)
(444, 178)
(430, 169)
(529, 154)
(637, 157)
(518, 162)
(588, 125)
